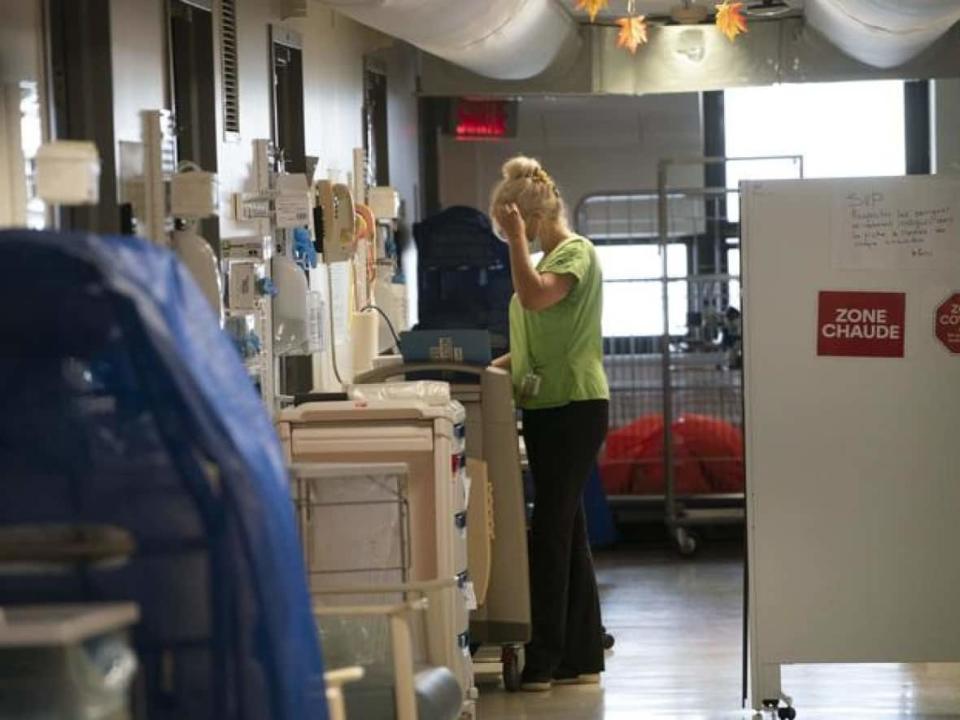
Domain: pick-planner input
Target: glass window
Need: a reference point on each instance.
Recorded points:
(632, 292)
(733, 268)
(850, 129)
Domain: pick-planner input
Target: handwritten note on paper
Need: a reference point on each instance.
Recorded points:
(888, 226)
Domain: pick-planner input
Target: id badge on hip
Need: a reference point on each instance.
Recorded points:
(530, 386)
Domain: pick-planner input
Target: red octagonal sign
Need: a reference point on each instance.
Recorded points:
(948, 323)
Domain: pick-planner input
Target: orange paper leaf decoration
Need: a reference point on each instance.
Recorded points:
(633, 33)
(730, 19)
(592, 6)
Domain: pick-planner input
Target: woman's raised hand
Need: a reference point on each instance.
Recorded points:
(511, 223)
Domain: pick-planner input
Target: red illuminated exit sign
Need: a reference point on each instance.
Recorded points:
(483, 119)
(861, 324)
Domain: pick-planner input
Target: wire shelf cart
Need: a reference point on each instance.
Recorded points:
(671, 260)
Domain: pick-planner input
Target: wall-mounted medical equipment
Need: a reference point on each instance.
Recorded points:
(159, 165)
(385, 202)
(290, 307)
(270, 283)
(68, 172)
(247, 270)
(337, 216)
(195, 252)
(292, 204)
(366, 223)
(194, 193)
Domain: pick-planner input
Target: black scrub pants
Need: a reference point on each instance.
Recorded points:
(562, 446)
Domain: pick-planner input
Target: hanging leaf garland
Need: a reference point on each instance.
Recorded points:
(633, 33)
(593, 7)
(730, 19)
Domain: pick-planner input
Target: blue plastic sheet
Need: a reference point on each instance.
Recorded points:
(122, 403)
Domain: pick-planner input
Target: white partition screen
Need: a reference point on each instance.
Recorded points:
(852, 352)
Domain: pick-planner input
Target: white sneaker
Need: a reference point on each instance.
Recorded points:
(536, 685)
(584, 679)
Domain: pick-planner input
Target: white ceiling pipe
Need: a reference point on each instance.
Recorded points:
(882, 33)
(502, 39)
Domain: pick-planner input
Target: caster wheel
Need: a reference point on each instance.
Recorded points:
(786, 713)
(511, 669)
(608, 641)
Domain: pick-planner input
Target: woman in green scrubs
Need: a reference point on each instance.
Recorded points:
(556, 360)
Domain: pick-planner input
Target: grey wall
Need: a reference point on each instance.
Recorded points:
(19, 40)
(588, 144)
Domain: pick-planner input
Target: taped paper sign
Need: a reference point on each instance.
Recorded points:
(886, 226)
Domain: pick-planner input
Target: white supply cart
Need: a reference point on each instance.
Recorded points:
(499, 565)
(354, 528)
(428, 439)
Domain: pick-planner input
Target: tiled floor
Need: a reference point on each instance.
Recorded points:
(678, 626)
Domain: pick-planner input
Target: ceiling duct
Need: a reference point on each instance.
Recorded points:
(882, 33)
(685, 58)
(501, 39)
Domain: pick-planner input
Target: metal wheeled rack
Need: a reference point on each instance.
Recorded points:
(700, 369)
(690, 367)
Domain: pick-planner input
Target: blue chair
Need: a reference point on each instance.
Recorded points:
(124, 408)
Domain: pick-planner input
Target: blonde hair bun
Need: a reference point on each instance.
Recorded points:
(521, 168)
(528, 185)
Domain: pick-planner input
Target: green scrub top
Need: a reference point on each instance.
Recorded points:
(563, 344)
